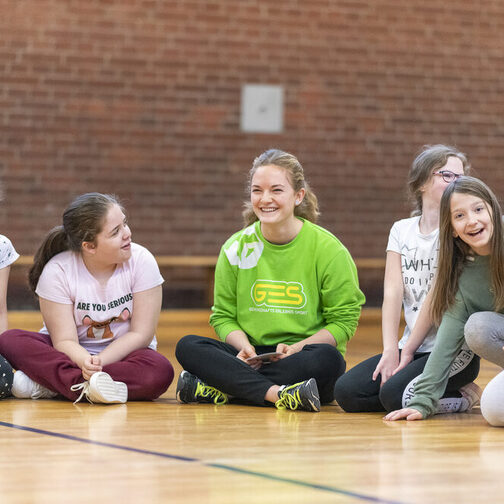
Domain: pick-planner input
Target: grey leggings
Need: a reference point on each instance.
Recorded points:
(484, 333)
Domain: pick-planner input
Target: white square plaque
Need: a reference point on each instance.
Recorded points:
(262, 108)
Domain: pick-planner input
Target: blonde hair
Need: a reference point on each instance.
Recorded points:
(453, 252)
(430, 159)
(308, 208)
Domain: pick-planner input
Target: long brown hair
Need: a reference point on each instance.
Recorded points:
(453, 252)
(82, 221)
(430, 159)
(308, 208)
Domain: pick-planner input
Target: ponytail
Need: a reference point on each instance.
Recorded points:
(308, 208)
(54, 243)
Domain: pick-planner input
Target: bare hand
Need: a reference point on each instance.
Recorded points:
(90, 366)
(286, 350)
(245, 353)
(406, 358)
(386, 366)
(407, 413)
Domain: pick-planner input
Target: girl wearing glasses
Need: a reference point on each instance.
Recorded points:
(467, 298)
(386, 381)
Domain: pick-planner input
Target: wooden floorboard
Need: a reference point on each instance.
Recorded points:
(157, 452)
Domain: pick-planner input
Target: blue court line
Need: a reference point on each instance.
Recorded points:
(180, 458)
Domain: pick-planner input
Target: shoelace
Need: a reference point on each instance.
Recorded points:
(289, 400)
(84, 388)
(206, 391)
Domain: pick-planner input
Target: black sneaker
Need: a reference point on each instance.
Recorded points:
(303, 395)
(191, 389)
(6, 378)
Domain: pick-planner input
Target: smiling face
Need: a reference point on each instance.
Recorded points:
(113, 243)
(471, 220)
(272, 196)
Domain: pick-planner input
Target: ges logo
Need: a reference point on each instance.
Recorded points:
(277, 294)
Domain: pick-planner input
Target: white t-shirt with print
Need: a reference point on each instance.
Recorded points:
(101, 313)
(419, 255)
(8, 254)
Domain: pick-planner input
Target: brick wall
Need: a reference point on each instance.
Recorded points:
(142, 98)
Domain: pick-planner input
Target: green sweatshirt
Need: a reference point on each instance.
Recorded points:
(473, 295)
(285, 293)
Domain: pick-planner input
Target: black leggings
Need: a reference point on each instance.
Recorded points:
(356, 391)
(215, 363)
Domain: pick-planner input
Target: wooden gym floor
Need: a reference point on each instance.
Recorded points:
(156, 452)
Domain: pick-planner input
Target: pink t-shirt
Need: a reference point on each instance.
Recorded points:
(101, 313)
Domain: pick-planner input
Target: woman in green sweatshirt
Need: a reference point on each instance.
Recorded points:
(282, 285)
(470, 279)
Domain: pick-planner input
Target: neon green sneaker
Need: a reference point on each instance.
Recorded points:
(191, 389)
(303, 395)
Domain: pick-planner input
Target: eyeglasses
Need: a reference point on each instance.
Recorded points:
(448, 176)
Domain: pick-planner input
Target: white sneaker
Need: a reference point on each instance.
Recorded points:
(23, 387)
(471, 395)
(101, 388)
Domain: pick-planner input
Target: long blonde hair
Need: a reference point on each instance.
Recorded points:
(453, 252)
(308, 208)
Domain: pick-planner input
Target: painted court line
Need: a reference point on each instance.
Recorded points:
(224, 467)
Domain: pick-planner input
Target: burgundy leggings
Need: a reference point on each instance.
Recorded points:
(147, 373)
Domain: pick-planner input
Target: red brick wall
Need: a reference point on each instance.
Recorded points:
(142, 98)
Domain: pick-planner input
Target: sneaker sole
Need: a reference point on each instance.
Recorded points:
(180, 387)
(110, 391)
(313, 391)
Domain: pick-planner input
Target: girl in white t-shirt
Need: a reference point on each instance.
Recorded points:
(386, 381)
(8, 255)
(100, 298)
